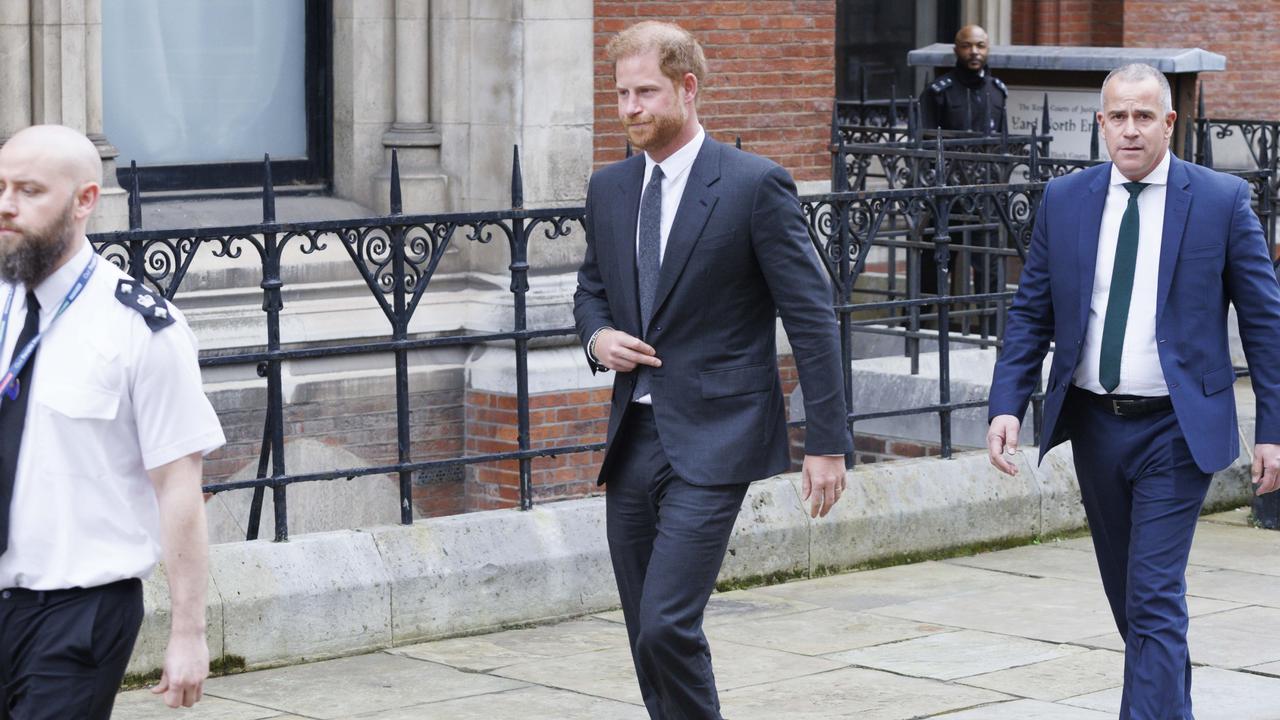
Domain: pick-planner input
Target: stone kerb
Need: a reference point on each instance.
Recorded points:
(347, 592)
(468, 573)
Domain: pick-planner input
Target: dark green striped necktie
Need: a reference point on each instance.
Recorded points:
(1121, 292)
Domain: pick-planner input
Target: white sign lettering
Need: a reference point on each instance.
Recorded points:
(1071, 115)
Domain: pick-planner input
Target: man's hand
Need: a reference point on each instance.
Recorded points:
(186, 665)
(1266, 467)
(621, 352)
(1002, 438)
(184, 540)
(823, 482)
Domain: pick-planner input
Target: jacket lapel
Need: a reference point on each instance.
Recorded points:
(1087, 244)
(691, 216)
(1177, 201)
(626, 215)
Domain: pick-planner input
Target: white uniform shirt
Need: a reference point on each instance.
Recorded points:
(1140, 372)
(675, 175)
(110, 400)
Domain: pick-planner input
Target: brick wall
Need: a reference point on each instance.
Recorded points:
(1242, 30)
(790, 377)
(364, 425)
(874, 448)
(450, 423)
(574, 417)
(771, 75)
(1095, 23)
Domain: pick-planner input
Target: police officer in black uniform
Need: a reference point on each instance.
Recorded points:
(967, 98)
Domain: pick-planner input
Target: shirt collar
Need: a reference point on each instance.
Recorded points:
(678, 161)
(1159, 175)
(54, 288)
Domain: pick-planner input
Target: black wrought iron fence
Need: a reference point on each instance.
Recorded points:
(960, 159)
(1249, 148)
(398, 255)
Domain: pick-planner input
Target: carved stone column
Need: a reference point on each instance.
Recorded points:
(423, 182)
(995, 16)
(113, 205)
(15, 67)
(66, 88)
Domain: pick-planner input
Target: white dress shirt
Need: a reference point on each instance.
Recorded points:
(1140, 372)
(110, 399)
(675, 175)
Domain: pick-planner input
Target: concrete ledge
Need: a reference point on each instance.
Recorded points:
(467, 573)
(771, 534)
(315, 596)
(340, 593)
(924, 506)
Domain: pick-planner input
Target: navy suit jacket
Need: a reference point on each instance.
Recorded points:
(738, 254)
(1212, 252)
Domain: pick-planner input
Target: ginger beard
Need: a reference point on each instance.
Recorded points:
(651, 132)
(28, 255)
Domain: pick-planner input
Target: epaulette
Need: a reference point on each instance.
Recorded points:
(152, 307)
(941, 84)
(1000, 86)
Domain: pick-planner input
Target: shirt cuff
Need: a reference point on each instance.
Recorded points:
(591, 345)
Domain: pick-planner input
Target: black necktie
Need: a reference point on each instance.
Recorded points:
(1113, 326)
(13, 413)
(648, 264)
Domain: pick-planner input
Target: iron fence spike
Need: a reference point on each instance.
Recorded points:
(268, 191)
(396, 200)
(135, 197)
(517, 181)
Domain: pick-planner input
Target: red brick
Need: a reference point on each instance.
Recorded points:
(797, 40)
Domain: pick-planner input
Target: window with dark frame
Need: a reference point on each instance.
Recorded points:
(873, 38)
(269, 88)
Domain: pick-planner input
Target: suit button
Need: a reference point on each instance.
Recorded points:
(1172, 386)
(657, 327)
(1161, 339)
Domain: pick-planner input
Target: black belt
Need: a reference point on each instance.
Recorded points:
(1125, 405)
(28, 596)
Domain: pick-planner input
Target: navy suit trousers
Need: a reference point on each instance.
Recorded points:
(63, 653)
(1142, 493)
(667, 539)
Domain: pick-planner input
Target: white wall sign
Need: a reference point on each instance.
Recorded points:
(1071, 115)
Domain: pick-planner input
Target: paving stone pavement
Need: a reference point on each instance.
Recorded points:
(1022, 634)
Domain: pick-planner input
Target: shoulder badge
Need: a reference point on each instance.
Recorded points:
(138, 297)
(941, 84)
(1000, 85)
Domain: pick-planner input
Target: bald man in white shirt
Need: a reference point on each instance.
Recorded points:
(103, 426)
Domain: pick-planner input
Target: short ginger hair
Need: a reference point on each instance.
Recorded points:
(678, 51)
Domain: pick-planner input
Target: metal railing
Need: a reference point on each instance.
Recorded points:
(397, 256)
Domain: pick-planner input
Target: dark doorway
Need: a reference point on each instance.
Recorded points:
(874, 36)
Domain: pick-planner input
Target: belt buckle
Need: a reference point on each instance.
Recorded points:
(1115, 407)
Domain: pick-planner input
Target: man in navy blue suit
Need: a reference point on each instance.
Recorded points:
(693, 250)
(1130, 269)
